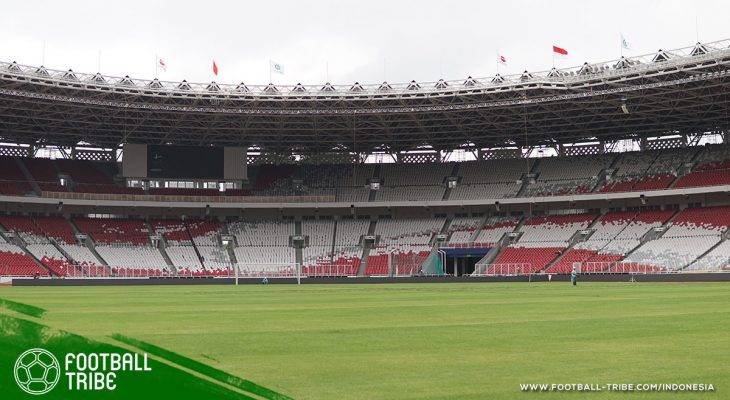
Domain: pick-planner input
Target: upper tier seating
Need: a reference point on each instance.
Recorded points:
(567, 175)
(12, 180)
(427, 174)
(494, 171)
(713, 157)
(494, 179)
(44, 173)
(183, 192)
(409, 193)
(712, 168)
(93, 177)
(406, 183)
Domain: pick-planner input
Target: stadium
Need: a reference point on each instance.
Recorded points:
(244, 226)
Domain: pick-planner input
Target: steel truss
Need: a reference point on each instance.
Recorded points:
(683, 91)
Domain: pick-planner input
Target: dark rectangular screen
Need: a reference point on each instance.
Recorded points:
(184, 162)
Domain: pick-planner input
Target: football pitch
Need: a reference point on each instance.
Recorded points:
(421, 341)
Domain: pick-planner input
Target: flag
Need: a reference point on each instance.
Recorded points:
(559, 50)
(501, 59)
(625, 43)
(215, 68)
(162, 64)
(276, 67)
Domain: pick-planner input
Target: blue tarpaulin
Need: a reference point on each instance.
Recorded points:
(466, 252)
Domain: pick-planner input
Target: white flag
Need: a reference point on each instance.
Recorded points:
(625, 43)
(276, 67)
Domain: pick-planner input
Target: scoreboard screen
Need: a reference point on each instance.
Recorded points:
(184, 162)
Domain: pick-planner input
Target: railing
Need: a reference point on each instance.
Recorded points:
(329, 270)
(505, 269)
(605, 69)
(193, 199)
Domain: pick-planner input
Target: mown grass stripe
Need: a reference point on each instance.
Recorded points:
(202, 369)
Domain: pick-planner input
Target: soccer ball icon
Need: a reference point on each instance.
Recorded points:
(37, 371)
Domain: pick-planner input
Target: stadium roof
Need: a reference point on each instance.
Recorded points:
(681, 91)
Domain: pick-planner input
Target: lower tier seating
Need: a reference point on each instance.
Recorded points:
(524, 259)
(14, 262)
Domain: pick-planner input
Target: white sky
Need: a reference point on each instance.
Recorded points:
(422, 39)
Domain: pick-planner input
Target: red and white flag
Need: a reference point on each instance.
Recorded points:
(560, 51)
(215, 68)
(162, 64)
(501, 59)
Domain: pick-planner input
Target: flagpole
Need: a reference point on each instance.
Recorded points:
(43, 54)
(98, 63)
(621, 45)
(270, 71)
(156, 63)
(697, 27)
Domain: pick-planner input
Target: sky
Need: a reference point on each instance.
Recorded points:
(344, 41)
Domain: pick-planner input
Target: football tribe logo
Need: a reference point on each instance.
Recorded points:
(37, 371)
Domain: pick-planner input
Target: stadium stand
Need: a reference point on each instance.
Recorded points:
(462, 230)
(494, 229)
(263, 245)
(692, 233)
(43, 171)
(406, 182)
(406, 241)
(494, 179)
(114, 231)
(13, 180)
(14, 262)
(614, 235)
(568, 175)
(543, 239)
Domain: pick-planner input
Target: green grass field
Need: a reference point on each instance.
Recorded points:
(421, 341)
